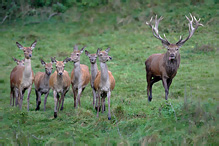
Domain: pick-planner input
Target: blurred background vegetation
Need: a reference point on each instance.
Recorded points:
(189, 117)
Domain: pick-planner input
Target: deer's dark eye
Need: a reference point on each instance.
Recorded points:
(77, 54)
(101, 54)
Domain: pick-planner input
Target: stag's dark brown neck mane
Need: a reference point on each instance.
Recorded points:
(171, 65)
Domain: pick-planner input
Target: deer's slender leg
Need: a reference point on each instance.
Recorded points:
(78, 97)
(98, 106)
(169, 81)
(11, 96)
(28, 97)
(148, 77)
(45, 100)
(94, 97)
(55, 102)
(108, 96)
(38, 98)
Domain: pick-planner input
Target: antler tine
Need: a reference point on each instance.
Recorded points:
(155, 30)
(191, 29)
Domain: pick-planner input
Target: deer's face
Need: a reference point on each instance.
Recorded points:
(103, 56)
(48, 68)
(75, 56)
(27, 50)
(60, 67)
(19, 62)
(92, 57)
(172, 51)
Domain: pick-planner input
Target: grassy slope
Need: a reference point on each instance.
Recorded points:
(193, 93)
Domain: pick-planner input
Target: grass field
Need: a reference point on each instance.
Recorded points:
(190, 116)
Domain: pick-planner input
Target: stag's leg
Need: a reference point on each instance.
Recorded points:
(38, 98)
(11, 96)
(108, 96)
(94, 97)
(28, 97)
(148, 77)
(154, 80)
(78, 97)
(74, 92)
(56, 102)
(164, 80)
(45, 100)
(169, 81)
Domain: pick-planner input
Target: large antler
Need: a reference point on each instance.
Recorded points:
(155, 30)
(191, 29)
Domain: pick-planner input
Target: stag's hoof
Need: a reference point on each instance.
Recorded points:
(55, 114)
(38, 108)
(109, 118)
(62, 108)
(149, 99)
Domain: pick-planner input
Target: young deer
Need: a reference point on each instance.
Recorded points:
(14, 93)
(104, 82)
(80, 75)
(164, 66)
(94, 71)
(41, 83)
(19, 62)
(21, 78)
(60, 83)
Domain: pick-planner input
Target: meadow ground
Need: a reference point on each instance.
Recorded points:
(190, 116)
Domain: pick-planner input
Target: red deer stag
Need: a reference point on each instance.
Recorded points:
(104, 82)
(60, 83)
(41, 82)
(22, 77)
(164, 66)
(80, 75)
(94, 71)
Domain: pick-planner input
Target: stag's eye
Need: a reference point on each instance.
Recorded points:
(101, 54)
(177, 49)
(77, 54)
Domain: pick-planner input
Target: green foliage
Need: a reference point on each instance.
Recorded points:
(189, 117)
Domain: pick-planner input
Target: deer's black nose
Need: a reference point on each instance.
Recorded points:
(30, 55)
(171, 55)
(60, 73)
(110, 58)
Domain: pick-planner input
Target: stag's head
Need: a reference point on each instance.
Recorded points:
(27, 50)
(48, 67)
(103, 55)
(173, 49)
(75, 55)
(92, 57)
(60, 65)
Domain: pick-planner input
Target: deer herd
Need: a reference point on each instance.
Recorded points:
(158, 67)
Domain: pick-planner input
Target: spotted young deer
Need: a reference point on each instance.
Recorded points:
(59, 82)
(94, 71)
(164, 66)
(14, 93)
(19, 62)
(104, 82)
(41, 82)
(21, 78)
(80, 75)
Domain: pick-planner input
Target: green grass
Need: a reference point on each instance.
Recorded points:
(193, 116)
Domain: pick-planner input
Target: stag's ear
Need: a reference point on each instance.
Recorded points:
(53, 59)
(87, 53)
(166, 45)
(107, 50)
(33, 45)
(75, 48)
(82, 49)
(67, 59)
(43, 62)
(19, 46)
